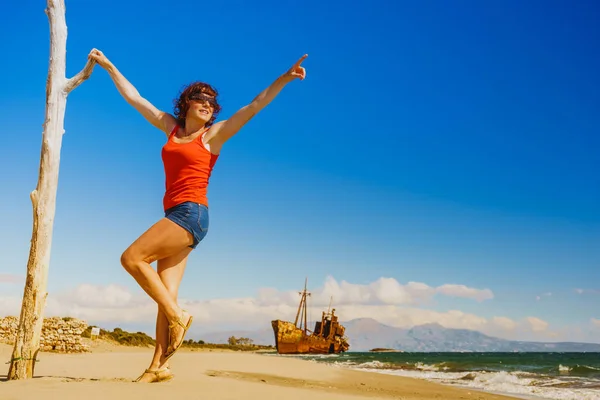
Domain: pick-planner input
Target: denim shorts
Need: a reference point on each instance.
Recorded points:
(192, 217)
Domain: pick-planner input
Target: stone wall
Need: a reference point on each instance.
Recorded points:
(58, 334)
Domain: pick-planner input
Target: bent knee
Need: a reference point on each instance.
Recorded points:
(133, 260)
(129, 261)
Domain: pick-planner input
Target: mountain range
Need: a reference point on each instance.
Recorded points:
(366, 333)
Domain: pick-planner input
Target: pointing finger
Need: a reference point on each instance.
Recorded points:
(300, 60)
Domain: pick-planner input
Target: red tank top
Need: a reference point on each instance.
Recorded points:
(187, 170)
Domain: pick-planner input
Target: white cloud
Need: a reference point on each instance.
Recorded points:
(385, 300)
(91, 296)
(595, 322)
(536, 324)
(504, 323)
(382, 291)
(10, 278)
(111, 303)
(116, 303)
(548, 294)
(93, 303)
(10, 305)
(466, 292)
(584, 291)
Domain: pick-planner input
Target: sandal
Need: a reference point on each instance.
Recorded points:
(157, 375)
(171, 349)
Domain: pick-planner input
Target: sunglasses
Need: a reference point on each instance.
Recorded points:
(201, 97)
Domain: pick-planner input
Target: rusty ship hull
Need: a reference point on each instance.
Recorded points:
(291, 340)
(326, 338)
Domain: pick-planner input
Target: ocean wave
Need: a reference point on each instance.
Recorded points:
(580, 370)
(518, 383)
(375, 364)
(562, 370)
(520, 376)
(514, 383)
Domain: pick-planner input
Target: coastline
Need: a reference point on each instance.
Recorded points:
(552, 376)
(108, 371)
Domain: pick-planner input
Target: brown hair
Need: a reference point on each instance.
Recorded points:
(181, 103)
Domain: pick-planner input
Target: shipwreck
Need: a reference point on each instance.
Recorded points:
(327, 337)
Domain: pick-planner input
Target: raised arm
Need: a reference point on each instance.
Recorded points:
(224, 130)
(162, 120)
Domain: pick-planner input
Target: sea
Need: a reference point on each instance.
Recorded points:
(564, 376)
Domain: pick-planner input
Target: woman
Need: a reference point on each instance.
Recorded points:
(193, 144)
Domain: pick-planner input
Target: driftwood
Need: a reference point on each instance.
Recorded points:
(43, 198)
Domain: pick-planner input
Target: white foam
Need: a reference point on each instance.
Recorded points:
(511, 383)
(373, 364)
(563, 368)
(517, 384)
(427, 367)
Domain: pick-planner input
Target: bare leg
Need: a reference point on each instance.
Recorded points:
(162, 340)
(170, 271)
(161, 240)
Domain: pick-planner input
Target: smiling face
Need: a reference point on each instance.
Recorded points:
(201, 107)
(197, 102)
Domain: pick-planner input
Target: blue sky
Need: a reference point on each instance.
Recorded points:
(435, 143)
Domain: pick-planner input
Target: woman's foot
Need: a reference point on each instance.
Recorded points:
(177, 331)
(155, 375)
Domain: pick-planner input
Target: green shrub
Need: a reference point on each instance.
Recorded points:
(122, 337)
(125, 338)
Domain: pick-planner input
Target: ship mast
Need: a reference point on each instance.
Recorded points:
(302, 307)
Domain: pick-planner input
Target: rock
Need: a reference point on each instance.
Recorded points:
(58, 334)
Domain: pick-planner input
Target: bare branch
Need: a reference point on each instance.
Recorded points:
(78, 79)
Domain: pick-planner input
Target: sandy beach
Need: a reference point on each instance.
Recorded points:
(107, 373)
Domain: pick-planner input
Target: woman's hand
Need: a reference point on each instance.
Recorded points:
(297, 71)
(161, 120)
(100, 58)
(222, 131)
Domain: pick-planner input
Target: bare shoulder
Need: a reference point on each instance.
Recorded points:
(209, 138)
(159, 119)
(214, 130)
(167, 123)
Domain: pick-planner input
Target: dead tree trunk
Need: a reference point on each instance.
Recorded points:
(43, 198)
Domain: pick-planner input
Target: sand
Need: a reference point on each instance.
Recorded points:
(107, 373)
